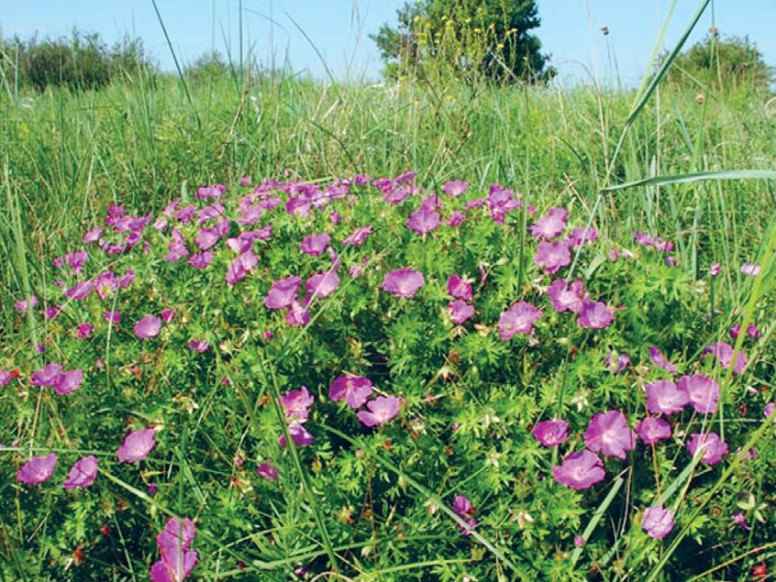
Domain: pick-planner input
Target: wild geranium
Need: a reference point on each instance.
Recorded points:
(283, 293)
(356, 390)
(298, 315)
(47, 376)
(299, 435)
(657, 521)
(460, 311)
(5, 377)
(551, 433)
(69, 381)
(37, 469)
(550, 226)
(652, 429)
(552, 256)
(148, 327)
(380, 410)
(723, 352)
(665, 397)
(616, 363)
(608, 432)
(564, 296)
(82, 473)
(455, 188)
(177, 559)
(750, 270)
(711, 447)
(297, 403)
(703, 392)
(456, 218)
(199, 345)
(595, 315)
(403, 282)
(459, 288)
(137, 445)
(315, 244)
(112, 316)
(322, 284)
(519, 318)
(580, 470)
(268, 472)
(659, 360)
(464, 509)
(423, 221)
(358, 237)
(579, 237)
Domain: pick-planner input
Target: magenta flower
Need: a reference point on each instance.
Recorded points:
(657, 522)
(459, 288)
(518, 319)
(37, 470)
(456, 218)
(464, 509)
(177, 560)
(618, 366)
(580, 470)
(79, 291)
(127, 278)
(750, 270)
(423, 221)
(550, 226)
(567, 297)
(652, 430)
(47, 376)
(315, 244)
(551, 433)
(381, 410)
(299, 435)
(659, 360)
(283, 293)
(297, 315)
(24, 304)
(723, 352)
(206, 238)
(710, 445)
(168, 315)
(92, 235)
(455, 188)
(356, 390)
(268, 472)
(552, 256)
(5, 377)
(578, 237)
(201, 260)
(740, 520)
(358, 236)
(112, 316)
(322, 284)
(403, 282)
(715, 269)
(199, 345)
(297, 403)
(703, 392)
(148, 327)
(608, 432)
(664, 397)
(460, 311)
(595, 315)
(82, 473)
(68, 382)
(137, 445)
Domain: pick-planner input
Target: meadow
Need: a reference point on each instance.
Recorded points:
(260, 327)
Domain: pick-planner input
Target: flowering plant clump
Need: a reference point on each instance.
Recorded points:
(324, 375)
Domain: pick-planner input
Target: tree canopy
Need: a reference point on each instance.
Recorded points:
(469, 39)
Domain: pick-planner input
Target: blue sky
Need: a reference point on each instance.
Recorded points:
(339, 29)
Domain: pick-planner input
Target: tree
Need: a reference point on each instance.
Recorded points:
(470, 39)
(730, 63)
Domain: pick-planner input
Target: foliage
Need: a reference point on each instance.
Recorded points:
(469, 39)
(728, 64)
(82, 62)
(207, 68)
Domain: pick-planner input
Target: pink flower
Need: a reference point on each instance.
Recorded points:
(137, 445)
(68, 382)
(356, 390)
(322, 284)
(206, 238)
(455, 188)
(579, 470)
(403, 282)
(567, 297)
(92, 235)
(595, 315)
(652, 430)
(283, 293)
(618, 366)
(299, 435)
(82, 473)
(423, 221)
(381, 410)
(79, 291)
(168, 315)
(459, 288)
(464, 509)
(703, 392)
(460, 311)
(552, 256)
(358, 236)
(664, 397)
(657, 522)
(177, 560)
(148, 327)
(519, 318)
(315, 244)
(750, 270)
(579, 237)
(608, 432)
(456, 218)
(84, 330)
(201, 260)
(659, 360)
(550, 226)
(297, 315)
(297, 403)
(551, 433)
(268, 472)
(47, 376)
(112, 316)
(714, 269)
(199, 345)
(37, 469)
(710, 445)
(24, 304)
(723, 352)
